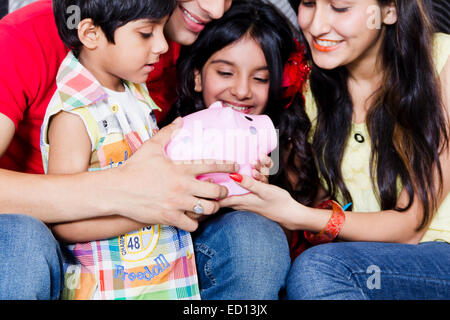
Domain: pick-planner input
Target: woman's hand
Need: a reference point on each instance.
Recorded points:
(261, 168)
(265, 199)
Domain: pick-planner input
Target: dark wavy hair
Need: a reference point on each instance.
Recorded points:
(107, 14)
(406, 123)
(261, 22)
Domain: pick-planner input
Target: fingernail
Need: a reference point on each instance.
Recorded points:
(236, 177)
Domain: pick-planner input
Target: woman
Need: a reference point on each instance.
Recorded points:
(378, 147)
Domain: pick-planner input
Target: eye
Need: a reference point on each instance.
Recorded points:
(225, 73)
(146, 35)
(339, 9)
(253, 130)
(307, 3)
(262, 80)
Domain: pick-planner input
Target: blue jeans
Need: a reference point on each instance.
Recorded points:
(30, 259)
(363, 270)
(241, 255)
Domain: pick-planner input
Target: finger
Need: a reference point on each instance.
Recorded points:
(263, 166)
(256, 174)
(243, 202)
(196, 217)
(180, 220)
(230, 202)
(266, 161)
(265, 171)
(206, 207)
(249, 183)
(264, 179)
(192, 215)
(208, 190)
(166, 134)
(256, 165)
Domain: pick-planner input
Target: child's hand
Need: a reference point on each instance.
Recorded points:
(260, 169)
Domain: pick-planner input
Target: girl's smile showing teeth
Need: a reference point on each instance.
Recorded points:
(240, 108)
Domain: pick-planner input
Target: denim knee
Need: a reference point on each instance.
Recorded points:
(371, 270)
(30, 259)
(315, 272)
(241, 255)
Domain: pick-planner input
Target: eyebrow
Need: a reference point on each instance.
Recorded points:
(232, 64)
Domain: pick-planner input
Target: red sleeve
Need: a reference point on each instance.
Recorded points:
(30, 54)
(16, 80)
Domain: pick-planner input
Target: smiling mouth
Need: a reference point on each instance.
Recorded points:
(190, 16)
(240, 108)
(325, 45)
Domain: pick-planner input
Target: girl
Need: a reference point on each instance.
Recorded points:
(379, 103)
(240, 60)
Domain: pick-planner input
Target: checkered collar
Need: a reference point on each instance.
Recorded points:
(78, 87)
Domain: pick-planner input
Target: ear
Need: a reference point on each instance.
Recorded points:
(89, 34)
(390, 14)
(198, 81)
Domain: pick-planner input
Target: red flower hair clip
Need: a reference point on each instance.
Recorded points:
(296, 71)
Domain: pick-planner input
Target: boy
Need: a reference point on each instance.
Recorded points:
(100, 114)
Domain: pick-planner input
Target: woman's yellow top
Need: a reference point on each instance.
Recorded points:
(356, 159)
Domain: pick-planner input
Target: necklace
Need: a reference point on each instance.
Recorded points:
(359, 137)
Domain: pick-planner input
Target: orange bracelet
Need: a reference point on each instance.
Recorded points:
(333, 227)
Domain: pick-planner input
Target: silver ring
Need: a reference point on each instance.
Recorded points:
(198, 208)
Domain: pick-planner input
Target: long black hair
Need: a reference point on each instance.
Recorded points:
(406, 123)
(265, 25)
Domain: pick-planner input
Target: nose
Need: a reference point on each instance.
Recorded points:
(160, 45)
(320, 23)
(241, 88)
(213, 8)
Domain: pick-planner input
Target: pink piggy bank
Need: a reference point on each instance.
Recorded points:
(221, 133)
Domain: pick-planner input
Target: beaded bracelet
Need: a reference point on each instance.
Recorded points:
(333, 227)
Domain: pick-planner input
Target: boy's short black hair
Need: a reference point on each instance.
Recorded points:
(107, 14)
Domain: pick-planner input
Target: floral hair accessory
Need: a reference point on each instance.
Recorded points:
(296, 71)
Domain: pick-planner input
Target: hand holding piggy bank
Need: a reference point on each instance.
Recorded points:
(221, 133)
